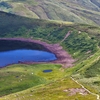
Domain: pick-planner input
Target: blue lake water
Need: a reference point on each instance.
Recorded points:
(24, 55)
(47, 71)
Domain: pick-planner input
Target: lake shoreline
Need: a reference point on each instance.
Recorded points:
(62, 56)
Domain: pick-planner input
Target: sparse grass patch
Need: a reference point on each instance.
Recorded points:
(20, 77)
(53, 91)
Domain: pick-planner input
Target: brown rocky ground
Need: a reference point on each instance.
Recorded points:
(74, 91)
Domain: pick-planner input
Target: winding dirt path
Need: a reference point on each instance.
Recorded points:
(98, 97)
(69, 32)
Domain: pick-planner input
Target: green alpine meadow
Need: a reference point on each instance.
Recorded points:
(70, 29)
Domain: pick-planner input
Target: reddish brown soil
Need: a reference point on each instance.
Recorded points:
(62, 56)
(74, 91)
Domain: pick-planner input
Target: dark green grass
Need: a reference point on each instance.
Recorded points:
(93, 71)
(11, 82)
(77, 44)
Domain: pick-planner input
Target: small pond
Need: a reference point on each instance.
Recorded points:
(47, 71)
(24, 55)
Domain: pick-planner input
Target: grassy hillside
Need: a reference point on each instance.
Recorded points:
(55, 91)
(20, 77)
(79, 42)
(28, 81)
(81, 11)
